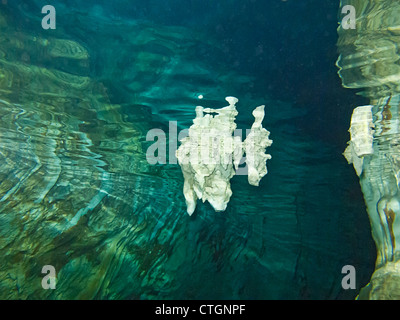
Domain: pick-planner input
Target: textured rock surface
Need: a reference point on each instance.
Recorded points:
(210, 154)
(254, 146)
(361, 137)
(205, 157)
(370, 60)
(384, 284)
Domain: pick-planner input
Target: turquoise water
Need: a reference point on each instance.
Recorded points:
(76, 190)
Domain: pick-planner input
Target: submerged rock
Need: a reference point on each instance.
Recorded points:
(210, 155)
(369, 60)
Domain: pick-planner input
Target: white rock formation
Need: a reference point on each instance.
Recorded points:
(361, 137)
(254, 146)
(210, 155)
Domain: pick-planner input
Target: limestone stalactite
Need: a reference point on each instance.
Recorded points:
(210, 155)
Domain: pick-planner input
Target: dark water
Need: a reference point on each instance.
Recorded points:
(76, 190)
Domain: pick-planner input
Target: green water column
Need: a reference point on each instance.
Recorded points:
(370, 60)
